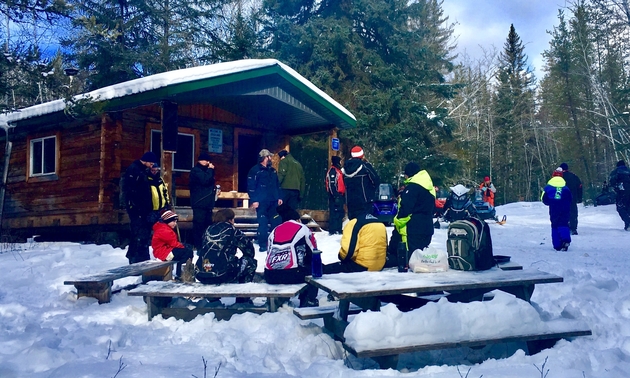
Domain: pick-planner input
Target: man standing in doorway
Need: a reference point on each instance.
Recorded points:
(575, 186)
(202, 192)
(291, 177)
(137, 199)
(361, 182)
(263, 188)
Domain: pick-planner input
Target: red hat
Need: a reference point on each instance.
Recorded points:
(557, 172)
(487, 178)
(357, 152)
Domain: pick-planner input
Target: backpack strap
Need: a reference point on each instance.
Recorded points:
(355, 234)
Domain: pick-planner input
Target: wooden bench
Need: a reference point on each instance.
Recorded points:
(535, 342)
(234, 196)
(159, 294)
(306, 313)
(99, 285)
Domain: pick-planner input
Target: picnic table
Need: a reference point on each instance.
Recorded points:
(366, 289)
(159, 294)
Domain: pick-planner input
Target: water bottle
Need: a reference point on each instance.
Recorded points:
(316, 264)
(403, 259)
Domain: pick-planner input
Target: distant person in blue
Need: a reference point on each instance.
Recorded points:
(264, 192)
(619, 180)
(557, 196)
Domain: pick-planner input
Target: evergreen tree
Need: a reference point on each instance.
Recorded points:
(385, 61)
(514, 107)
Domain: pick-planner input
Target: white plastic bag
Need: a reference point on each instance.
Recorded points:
(429, 260)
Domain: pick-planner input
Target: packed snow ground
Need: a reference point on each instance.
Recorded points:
(47, 332)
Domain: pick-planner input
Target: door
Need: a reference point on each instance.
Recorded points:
(248, 146)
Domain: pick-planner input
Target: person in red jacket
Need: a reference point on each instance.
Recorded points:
(166, 244)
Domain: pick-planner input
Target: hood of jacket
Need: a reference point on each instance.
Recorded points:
(423, 179)
(352, 167)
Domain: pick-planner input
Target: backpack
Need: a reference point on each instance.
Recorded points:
(334, 182)
(469, 245)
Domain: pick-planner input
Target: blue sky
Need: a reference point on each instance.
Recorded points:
(486, 23)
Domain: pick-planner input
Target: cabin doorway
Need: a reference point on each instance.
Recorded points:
(248, 147)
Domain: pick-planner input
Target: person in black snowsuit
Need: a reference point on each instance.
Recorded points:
(619, 180)
(217, 262)
(575, 186)
(336, 190)
(361, 181)
(264, 192)
(136, 197)
(202, 194)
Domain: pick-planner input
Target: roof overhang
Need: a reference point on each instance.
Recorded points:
(266, 92)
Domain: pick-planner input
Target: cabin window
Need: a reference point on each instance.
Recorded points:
(43, 154)
(183, 159)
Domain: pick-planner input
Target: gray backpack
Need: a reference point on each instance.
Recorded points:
(469, 245)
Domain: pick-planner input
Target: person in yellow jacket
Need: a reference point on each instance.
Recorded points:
(414, 221)
(363, 246)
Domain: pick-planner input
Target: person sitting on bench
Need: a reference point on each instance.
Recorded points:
(290, 252)
(217, 262)
(363, 246)
(166, 244)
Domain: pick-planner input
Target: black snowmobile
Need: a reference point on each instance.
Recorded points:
(483, 209)
(458, 204)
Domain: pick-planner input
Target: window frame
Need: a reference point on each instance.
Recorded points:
(39, 177)
(180, 131)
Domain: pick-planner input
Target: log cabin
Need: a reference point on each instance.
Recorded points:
(63, 160)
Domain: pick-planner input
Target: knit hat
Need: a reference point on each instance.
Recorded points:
(204, 156)
(621, 163)
(487, 178)
(282, 154)
(336, 160)
(169, 216)
(564, 166)
(557, 172)
(264, 153)
(357, 152)
(149, 157)
(411, 169)
(287, 213)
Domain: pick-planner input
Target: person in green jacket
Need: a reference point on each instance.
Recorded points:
(414, 221)
(291, 177)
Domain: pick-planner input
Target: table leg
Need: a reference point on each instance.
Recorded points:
(387, 362)
(273, 304)
(523, 292)
(156, 304)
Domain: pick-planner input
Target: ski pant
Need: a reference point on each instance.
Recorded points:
(559, 235)
(335, 213)
(202, 219)
(140, 228)
(291, 197)
(573, 216)
(266, 214)
(623, 207)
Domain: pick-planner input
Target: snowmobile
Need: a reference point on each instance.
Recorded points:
(606, 197)
(483, 209)
(385, 205)
(458, 204)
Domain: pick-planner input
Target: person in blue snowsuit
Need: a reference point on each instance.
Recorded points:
(557, 196)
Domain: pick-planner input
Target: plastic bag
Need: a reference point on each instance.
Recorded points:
(429, 260)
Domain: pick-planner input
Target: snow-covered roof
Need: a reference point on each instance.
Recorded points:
(170, 80)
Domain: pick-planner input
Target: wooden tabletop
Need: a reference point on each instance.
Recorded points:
(372, 284)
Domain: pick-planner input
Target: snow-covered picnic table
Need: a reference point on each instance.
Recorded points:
(368, 289)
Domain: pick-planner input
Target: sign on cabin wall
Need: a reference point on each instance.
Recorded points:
(334, 144)
(215, 141)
